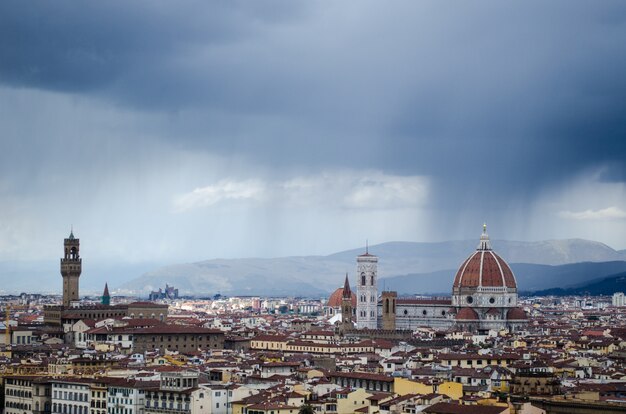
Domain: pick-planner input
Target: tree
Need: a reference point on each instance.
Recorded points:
(306, 409)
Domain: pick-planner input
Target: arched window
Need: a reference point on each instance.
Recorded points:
(363, 278)
(386, 305)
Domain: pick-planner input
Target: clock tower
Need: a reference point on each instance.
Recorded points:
(71, 267)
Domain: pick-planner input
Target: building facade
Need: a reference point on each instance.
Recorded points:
(70, 396)
(27, 394)
(484, 297)
(127, 397)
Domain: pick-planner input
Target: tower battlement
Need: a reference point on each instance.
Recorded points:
(71, 268)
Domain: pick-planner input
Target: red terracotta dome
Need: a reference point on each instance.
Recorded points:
(334, 301)
(484, 268)
(516, 314)
(467, 314)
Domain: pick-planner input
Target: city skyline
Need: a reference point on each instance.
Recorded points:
(172, 134)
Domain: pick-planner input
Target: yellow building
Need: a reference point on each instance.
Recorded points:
(352, 401)
(453, 390)
(403, 386)
(272, 408)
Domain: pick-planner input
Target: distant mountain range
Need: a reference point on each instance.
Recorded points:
(606, 285)
(408, 267)
(530, 277)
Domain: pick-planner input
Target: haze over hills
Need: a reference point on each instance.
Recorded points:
(606, 285)
(410, 267)
(530, 277)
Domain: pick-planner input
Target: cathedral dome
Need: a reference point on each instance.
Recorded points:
(484, 268)
(334, 301)
(516, 314)
(467, 314)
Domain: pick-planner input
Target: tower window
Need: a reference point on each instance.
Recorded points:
(363, 278)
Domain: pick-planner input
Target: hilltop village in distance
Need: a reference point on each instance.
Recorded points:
(483, 349)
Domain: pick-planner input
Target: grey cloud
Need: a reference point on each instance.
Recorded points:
(494, 102)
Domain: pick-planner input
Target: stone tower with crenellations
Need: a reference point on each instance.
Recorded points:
(71, 268)
(389, 310)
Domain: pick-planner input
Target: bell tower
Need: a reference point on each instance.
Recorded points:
(367, 291)
(71, 267)
(346, 307)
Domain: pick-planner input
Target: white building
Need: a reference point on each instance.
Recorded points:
(18, 395)
(71, 396)
(178, 392)
(619, 299)
(126, 397)
(367, 291)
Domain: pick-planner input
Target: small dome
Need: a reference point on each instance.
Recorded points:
(484, 268)
(467, 314)
(493, 312)
(516, 314)
(334, 301)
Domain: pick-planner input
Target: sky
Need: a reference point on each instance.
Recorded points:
(180, 131)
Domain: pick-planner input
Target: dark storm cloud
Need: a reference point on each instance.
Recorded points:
(519, 96)
(81, 47)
